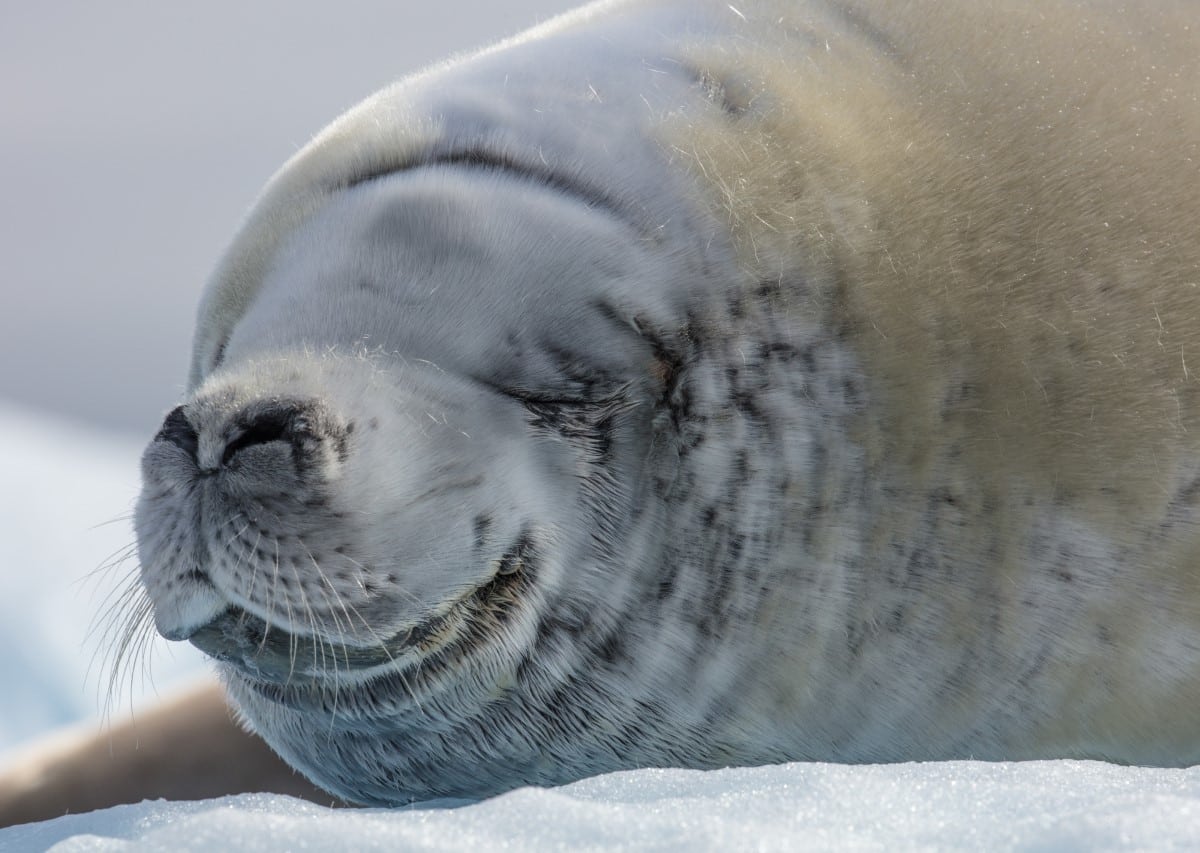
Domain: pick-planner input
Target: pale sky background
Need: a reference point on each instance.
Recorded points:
(133, 138)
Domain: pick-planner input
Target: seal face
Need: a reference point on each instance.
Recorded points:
(737, 391)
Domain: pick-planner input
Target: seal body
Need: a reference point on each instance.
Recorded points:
(695, 384)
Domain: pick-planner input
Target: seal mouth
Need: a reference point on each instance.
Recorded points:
(269, 654)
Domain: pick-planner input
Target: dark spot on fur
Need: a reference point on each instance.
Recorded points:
(736, 543)
(944, 496)
(741, 466)
(481, 525)
(730, 95)
(219, 352)
(768, 289)
(611, 649)
(551, 627)
(737, 309)
(747, 405)
(854, 640)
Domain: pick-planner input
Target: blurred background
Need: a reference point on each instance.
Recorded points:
(136, 135)
(133, 138)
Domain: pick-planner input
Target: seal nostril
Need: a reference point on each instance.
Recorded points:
(178, 431)
(267, 427)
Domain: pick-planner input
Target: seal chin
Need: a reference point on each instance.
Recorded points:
(190, 610)
(271, 654)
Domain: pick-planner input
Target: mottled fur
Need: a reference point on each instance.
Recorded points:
(996, 206)
(906, 472)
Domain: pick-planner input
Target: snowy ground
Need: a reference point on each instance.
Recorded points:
(1041, 806)
(63, 483)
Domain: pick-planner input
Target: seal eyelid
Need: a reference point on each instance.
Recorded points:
(531, 398)
(536, 400)
(617, 397)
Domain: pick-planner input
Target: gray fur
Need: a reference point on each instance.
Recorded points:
(577, 408)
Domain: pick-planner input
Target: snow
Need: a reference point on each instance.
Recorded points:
(1055, 805)
(64, 483)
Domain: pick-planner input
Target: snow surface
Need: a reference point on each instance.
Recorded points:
(63, 483)
(1054, 805)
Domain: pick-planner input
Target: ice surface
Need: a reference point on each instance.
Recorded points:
(1053, 805)
(63, 483)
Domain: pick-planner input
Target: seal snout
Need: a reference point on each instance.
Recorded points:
(295, 423)
(239, 506)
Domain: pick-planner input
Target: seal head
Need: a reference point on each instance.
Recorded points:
(415, 467)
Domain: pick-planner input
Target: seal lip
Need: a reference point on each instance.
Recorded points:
(269, 654)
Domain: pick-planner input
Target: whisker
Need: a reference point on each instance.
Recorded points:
(125, 516)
